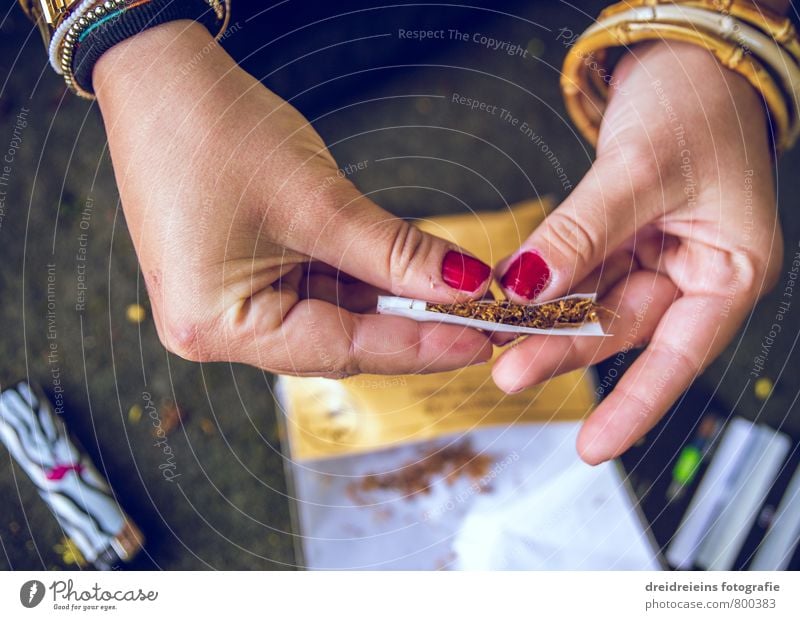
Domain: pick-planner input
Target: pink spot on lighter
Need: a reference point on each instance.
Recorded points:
(59, 471)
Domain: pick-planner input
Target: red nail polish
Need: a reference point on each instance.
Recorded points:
(527, 275)
(464, 272)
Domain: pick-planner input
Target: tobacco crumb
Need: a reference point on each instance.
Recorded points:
(172, 417)
(207, 426)
(555, 314)
(135, 414)
(416, 477)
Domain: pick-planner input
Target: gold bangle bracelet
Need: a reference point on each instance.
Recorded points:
(753, 41)
(586, 107)
(778, 27)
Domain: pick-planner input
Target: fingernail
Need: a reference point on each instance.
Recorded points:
(527, 275)
(464, 272)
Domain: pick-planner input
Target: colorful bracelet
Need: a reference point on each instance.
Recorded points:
(99, 30)
(80, 10)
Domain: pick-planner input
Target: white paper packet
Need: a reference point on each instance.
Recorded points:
(416, 309)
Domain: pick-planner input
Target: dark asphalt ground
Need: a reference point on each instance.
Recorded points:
(228, 508)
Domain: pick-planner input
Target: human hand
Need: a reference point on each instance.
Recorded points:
(253, 248)
(675, 225)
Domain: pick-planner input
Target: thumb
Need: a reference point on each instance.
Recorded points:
(606, 208)
(371, 244)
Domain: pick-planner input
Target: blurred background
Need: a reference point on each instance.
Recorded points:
(370, 99)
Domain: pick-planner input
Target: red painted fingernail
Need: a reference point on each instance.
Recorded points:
(527, 275)
(464, 272)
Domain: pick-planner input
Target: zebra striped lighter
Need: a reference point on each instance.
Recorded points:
(67, 481)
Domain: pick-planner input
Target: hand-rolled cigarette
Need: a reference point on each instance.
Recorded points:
(573, 315)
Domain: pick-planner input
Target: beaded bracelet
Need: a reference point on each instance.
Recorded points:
(104, 26)
(54, 47)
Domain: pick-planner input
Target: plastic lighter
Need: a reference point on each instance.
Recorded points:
(66, 478)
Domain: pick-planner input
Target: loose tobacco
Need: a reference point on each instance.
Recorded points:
(570, 312)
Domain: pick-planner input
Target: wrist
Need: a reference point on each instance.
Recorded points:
(170, 56)
(682, 97)
(692, 69)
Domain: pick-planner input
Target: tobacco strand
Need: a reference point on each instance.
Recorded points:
(550, 315)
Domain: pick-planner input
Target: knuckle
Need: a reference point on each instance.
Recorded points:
(647, 408)
(569, 235)
(684, 359)
(750, 277)
(350, 364)
(408, 245)
(754, 276)
(400, 350)
(186, 337)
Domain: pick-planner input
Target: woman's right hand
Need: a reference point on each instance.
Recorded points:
(253, 248)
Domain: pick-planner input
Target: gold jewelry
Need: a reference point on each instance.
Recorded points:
(56, 18)
(52, 11)
(751, 40)
(585, 93)
(65, 49)
(780, 28)
(47, 14)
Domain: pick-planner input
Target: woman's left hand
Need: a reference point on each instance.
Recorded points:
(675, 225)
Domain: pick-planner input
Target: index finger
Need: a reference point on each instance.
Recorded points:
(319, 338)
